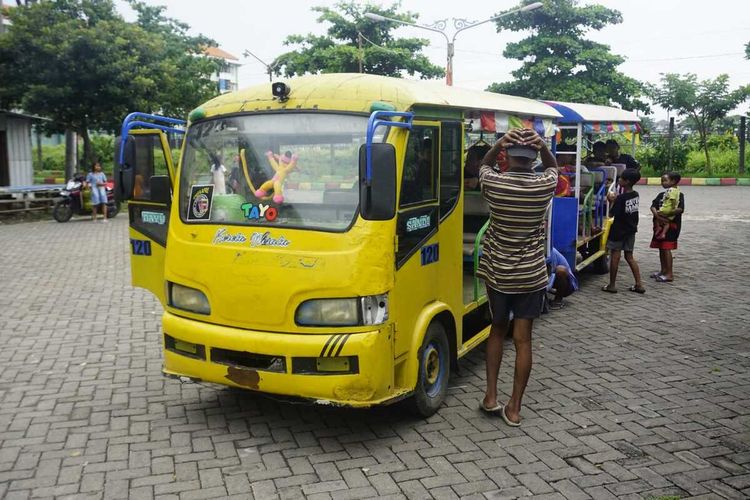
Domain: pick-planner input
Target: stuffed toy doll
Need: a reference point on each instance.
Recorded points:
(282, 165)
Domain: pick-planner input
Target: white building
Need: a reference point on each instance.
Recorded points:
(227, 76)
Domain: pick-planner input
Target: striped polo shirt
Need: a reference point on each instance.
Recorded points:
(513, 259)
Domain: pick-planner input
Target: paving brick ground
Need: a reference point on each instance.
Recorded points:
(631, 396)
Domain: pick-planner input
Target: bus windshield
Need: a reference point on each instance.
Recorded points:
(278, 169)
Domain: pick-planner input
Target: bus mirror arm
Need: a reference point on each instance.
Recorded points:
(376, 120)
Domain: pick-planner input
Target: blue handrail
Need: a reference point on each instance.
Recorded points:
(600, 208)
(135, 119)
(375, 122)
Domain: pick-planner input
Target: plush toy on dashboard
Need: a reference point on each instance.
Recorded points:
(282, 165)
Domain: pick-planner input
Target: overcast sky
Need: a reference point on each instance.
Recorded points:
(656, 36)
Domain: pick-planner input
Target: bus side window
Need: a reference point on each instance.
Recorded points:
(418, 182)
(150, 161)
(450, 166)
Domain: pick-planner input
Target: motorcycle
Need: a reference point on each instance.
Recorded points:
(74, 199)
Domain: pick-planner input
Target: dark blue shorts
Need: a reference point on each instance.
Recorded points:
(507, 306)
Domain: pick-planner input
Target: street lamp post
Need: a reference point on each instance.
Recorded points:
(269, 67)
(459, 25)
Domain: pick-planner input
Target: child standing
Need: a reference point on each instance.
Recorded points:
(669, 203)
(622, 233)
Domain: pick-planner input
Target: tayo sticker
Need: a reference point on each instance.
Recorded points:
(200, 202)
(259, 211)
(153, 217)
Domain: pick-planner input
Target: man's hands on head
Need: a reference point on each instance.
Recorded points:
(521, 137)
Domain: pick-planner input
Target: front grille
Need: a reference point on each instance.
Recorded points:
(242, 359)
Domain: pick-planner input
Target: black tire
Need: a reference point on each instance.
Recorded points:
(601, 265)
(62, 212)
(434, 372)
(112, 211)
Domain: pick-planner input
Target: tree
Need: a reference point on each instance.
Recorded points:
(78, 63)
(703, 102)
(747, 50)
(354, 41)
(560, 64)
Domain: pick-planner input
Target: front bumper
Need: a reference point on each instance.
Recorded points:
(284, 363)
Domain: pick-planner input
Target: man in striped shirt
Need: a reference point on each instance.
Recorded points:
(513, 258)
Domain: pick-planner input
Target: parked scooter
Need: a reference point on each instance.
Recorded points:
(76, 200)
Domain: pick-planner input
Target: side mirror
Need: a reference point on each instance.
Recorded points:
(377, 201)
(124, 173)
(161, 189)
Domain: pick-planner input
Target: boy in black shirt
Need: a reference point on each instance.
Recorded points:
(622, 233)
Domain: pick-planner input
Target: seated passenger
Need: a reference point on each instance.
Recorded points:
(562, 281)
(614, 155)
(598, 156)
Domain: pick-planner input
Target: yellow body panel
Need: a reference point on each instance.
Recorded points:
(372, 385)
(254, 292)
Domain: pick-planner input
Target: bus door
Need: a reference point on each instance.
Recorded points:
(146, 179)
(417, 249)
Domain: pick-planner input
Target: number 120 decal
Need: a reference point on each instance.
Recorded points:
(430, 254)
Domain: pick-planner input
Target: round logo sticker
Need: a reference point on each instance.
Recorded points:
(200, 206)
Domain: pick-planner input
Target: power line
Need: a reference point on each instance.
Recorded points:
(725, 54)
(375, 44)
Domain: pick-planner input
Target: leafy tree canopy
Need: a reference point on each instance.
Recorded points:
(703, 102)
(78, 63)
(560, 64)
(338, 51)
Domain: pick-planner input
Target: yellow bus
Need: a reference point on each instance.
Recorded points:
(315, 239)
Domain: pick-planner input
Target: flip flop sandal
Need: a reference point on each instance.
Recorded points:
(663, 279)
(636, 289)
(655, 275)
(491, 411)
(509, 421)
(606, 288)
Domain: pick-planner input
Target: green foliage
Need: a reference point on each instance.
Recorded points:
(80, 64)
(655, 153)
(338, 51)
(185, 73)
(560, 64)
(704, 102)
(724, 162)
(53, 157)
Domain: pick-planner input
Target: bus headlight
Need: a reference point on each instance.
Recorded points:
(188, 299)
(370, 310)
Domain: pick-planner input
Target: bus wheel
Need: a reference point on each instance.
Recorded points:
(434, 371)
(601, 265)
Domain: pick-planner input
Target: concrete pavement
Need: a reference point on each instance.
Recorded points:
(631, 396)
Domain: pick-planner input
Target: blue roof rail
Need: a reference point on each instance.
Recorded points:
(136, 119)
(376, 120)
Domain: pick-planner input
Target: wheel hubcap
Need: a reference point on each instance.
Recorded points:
(432, 366)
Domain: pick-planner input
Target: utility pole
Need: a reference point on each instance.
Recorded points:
(269, 67)
(71, 153)
(459, 25)
(361, 54)
(671, 139)
(743, 139)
